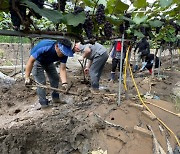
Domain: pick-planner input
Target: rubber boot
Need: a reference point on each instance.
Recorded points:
(150, 71)
(135, 68)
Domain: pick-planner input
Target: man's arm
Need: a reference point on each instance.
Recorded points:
(86, 70)
(89, 64)
(87, 52)
(29, 66)
(63, 73)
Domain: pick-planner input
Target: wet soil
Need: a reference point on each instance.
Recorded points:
(88, 122)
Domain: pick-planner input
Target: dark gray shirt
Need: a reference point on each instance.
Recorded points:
(96, 50)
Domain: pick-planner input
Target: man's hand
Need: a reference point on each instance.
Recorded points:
(86, 70)
(81, 59)
(28, 81)
(65, 86)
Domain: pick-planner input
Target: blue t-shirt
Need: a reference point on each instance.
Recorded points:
(45, 52)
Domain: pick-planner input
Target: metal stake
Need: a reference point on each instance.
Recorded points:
(120, 73)
(22, 57)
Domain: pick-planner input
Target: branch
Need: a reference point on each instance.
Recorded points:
(103, 38)
(42, 34)
(95, 6)
(51, 88)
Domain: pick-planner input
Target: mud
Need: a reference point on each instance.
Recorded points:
(87, 122)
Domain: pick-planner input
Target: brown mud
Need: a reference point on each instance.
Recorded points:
(89, 122)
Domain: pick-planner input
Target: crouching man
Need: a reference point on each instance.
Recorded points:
(97, 56)
(149, 60)
(42, 58)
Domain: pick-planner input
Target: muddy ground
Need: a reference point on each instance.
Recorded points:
(89, 122)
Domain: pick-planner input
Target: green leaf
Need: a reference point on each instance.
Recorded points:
(176, 1)
(115, 21)
(171, 30)
(1, 17)
(139, 20)
(4, 5)
(75, 19)
(178, 22)
(52, 15)
(104, 2)
(116, 6)
(165, 3)
(89, 3)
(156, 23)
(140, 3)
(138, 34)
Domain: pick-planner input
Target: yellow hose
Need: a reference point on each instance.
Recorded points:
(139, 95)
(162, 108)
(149, 109)
(125, 69)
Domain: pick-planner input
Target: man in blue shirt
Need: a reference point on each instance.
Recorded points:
(42, 58)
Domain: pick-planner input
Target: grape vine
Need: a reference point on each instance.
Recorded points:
(100, 14)
(78, 10)
(62, 5)
(108, 28)
(14, 15)
(88, 26)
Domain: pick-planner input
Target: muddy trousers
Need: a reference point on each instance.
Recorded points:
(39, 76)
(96, 69)
(116, 63)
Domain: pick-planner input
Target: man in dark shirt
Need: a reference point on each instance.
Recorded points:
(149, 60)
(144, 49)
(42, 58)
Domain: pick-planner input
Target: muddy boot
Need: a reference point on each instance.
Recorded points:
(58, 101)
(112, 77)
(44, 104)
(94, 90)
(135, 68)
(122, 78)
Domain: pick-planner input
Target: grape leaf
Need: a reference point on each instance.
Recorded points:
(156, 23)
(139, 20)
(140, 3)
(75, 19)
(53, 15)
(165, 3)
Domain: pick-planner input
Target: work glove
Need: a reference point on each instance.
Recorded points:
(28, 81)
(64, 86)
